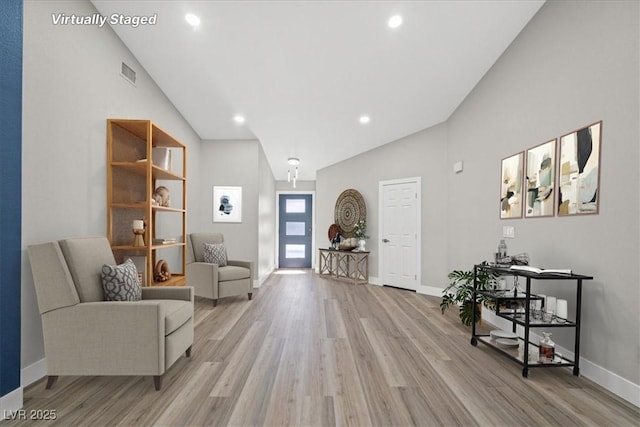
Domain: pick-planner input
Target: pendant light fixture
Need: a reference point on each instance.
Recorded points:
(293, 161)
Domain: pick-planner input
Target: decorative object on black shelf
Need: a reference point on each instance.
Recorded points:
(501, 257)
(511, 187)
(460, 291)
(520, 259)
(161, 272)
(349, 210)
(162, 197)
(546, 351)
(561, 310)
(579, 174)
(138, 231)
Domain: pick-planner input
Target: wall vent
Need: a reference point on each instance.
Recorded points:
(128, 73)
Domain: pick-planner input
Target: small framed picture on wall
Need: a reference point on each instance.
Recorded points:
(540, 180)
(227, 204)
(579, 171)
(511, 187)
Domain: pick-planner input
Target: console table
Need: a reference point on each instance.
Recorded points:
(345, 265)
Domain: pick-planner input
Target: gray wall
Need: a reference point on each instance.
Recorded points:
(574, 64)
(72, 84)
(423, 155)
(239, 163)
(266, 218)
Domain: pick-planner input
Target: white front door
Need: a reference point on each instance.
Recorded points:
(400, 233)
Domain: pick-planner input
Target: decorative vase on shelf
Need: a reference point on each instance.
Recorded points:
(361, 244)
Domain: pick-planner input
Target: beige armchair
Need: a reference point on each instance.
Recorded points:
(85, 335)
(210, 280)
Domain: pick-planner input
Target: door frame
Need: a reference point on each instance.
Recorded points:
(381, 184)
(313, 224)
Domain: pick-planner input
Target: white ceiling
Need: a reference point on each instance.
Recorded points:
(303, 72)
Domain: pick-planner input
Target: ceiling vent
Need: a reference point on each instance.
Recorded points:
(128, 73)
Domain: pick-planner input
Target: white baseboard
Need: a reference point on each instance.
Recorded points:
(430, 290)
(14, 400)
(260, 280)
(33, 372)
(11, 402)
(374, 281)
(611, 381)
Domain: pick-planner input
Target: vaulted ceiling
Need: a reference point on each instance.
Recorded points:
(303, 73)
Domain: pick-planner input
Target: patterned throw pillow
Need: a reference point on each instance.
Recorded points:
(215, 254)
(120, 282)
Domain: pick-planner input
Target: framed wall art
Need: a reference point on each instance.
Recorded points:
(540, 179)
(227, 204)
(511, 187)
(579, 171)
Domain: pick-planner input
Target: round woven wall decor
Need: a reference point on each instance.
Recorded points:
(350, 209)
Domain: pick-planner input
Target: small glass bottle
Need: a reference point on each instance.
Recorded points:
(547, 349)
(502, 249)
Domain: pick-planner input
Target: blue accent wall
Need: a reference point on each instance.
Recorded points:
(10, 192)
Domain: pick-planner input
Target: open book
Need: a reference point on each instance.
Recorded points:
(541, 270)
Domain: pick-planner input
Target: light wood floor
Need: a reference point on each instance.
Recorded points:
(311, 351)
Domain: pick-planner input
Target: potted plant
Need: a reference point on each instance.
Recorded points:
(360, 232)
(460, 291)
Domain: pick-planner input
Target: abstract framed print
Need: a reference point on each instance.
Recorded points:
(579, 171)
(511, 187)
(227, 204)
(540, 180)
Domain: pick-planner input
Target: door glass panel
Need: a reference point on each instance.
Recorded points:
(296, 206)
(295, 228)
(295, 251)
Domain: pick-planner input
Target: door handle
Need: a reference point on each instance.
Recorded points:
(385, 240)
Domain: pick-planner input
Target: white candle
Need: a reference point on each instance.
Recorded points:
(138, 224)
(561, 308)
(551, 305)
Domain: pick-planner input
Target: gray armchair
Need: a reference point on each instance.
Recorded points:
(210, 280)
(85, 335)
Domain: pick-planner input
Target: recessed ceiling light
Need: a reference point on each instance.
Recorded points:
(395, 21)
(365, 119)
(192, 19)
(238, 119)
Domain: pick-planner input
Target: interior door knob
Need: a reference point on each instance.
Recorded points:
(385, 240)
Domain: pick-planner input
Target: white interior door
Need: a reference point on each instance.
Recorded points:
(400, 233)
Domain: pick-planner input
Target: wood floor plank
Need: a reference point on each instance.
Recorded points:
(252, 403)
(383, 348)
(313, 351)
(240, 362)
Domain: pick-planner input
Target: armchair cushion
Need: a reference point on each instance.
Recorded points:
(215, 253)
(232, 272)
(120, 282)
(85, 258)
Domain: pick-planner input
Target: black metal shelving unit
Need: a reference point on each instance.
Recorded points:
(513, 298)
